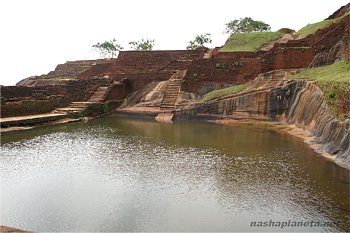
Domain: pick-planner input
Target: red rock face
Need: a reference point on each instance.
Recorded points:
(206, 70)
(143, 67)
(23, 100)
(207, 74)
(342, 10)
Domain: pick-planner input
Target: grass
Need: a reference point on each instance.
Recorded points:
(222, 92)
(337, 72)
(334, 81)
(251, 41)
(312, 28)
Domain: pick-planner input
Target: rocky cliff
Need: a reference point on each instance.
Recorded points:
(309, 111)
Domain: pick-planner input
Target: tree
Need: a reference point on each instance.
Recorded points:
(108, 48)
(142, 45)
(199, 41)
(246, 24)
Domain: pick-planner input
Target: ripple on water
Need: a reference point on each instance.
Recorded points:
(97, 178)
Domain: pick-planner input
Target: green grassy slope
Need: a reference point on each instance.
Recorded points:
(249, 41)
(312, 28)
(334, 81)
(337, 72)
(222, 92)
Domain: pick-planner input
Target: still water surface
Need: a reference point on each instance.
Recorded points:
(119, 174)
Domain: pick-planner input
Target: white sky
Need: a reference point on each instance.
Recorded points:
(36, 35)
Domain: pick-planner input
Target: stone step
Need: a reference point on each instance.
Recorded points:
(164, 108)
(87, 102)
(173, 90)
(69, 109)
(99, 95)
(168, 104)
(169, 100)
(78, 106)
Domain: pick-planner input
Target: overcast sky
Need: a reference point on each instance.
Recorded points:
(36, 35)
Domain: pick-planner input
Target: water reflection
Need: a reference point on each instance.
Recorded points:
(119, 174)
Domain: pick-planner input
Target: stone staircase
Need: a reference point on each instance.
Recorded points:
(98, 97)
(172, 91)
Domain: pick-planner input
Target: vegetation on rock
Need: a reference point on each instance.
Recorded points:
(334, 81)
(108, 48)
(246, 24)
(337, 72)
(143, 45)
(251, 41)
(222, 92)
(199, 41)
(314, 27)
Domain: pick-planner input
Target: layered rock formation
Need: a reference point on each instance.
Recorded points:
(310, 111)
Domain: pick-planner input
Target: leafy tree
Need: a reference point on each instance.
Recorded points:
(108, 48)
(142, 45)
(246, 24)
(199, 41)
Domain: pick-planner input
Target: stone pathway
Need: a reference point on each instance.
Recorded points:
(98, 97)
(30, 119)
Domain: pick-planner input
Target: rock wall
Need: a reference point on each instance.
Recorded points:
(309, 111)
(297, 102)
(333, 44)
(143, 67)
(324, 47)
(340, 12)
(25, 100)
(205, 75)
(62, 73)
(71, 68)
(132, 62)
(226, 69)
(287, 58)
(160, 56)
